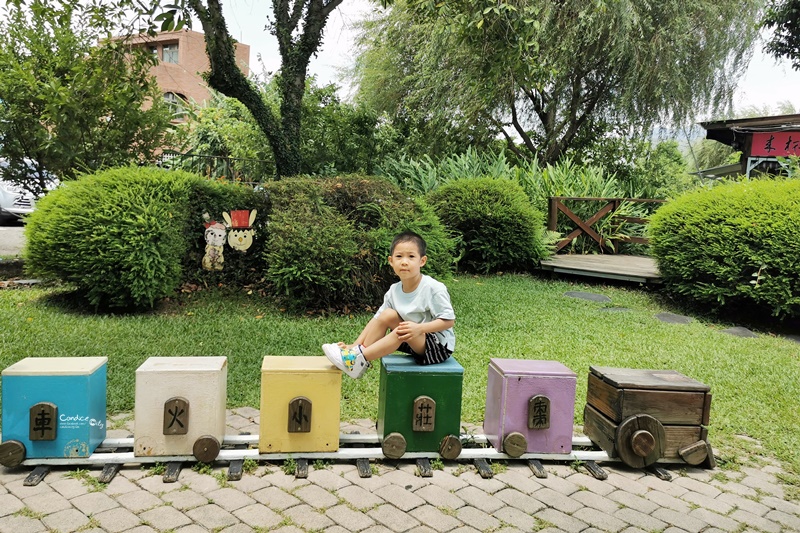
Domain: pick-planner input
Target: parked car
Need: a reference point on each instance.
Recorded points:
(15, 200)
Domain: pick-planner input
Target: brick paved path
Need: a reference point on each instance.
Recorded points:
(335, 499)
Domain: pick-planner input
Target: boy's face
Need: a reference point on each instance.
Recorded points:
(406, 260)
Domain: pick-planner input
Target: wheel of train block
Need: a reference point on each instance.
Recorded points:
(515, 444)
(206, 448)
(640, 441)
(12, 453)
(450, 447)
(394, 445)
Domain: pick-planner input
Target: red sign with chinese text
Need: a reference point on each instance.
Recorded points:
(776, 144)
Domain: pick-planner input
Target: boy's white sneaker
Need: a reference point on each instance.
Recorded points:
(349, 360)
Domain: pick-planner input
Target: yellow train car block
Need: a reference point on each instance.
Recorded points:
(300, 399)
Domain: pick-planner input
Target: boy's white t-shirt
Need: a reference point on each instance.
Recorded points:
(429, 301)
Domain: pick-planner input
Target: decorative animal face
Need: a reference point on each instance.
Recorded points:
(215, 234)
(241, 238)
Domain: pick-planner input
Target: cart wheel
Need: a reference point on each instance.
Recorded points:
(640, 441)
(450, 447)
(206, 448)
(694, 453)
(12, 453)
(394, 445)
(515, 444)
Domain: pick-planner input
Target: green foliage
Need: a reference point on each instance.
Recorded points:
(498, 228)
(69, 103)
(734, 244)
(783, 17)
(117, 235)
(329, 239)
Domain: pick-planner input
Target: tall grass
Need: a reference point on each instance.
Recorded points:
(755, 382)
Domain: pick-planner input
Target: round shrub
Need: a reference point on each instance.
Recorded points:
(329, 239)
(498, 227)
(117, 235)
(734, 244)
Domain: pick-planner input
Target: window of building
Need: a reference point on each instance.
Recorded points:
(169, 53)
(175, 103)
(153, 50)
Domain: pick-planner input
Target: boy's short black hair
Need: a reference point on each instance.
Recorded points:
(410, 236)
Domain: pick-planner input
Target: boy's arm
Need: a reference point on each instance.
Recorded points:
(409, 330)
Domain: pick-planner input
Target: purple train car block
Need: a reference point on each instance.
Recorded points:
(530, 406)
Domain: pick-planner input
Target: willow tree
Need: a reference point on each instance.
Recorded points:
(545, 73)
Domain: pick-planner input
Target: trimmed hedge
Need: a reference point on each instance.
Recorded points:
(329, 240)
(498, 227)
(117, 235)
(734, 244)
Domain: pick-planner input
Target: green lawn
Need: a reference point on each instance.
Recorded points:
(755, 381)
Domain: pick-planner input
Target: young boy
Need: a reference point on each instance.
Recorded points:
(416, 311)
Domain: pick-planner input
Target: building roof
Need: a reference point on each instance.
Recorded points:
(733, 132)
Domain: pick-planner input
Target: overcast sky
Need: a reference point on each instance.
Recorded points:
(766, 83)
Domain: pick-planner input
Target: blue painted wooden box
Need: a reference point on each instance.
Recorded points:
(420, 403)
(75, 386)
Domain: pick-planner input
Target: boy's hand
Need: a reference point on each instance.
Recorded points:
(408, 330)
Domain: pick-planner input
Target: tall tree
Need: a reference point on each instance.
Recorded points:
(783, 17)
(67, 103)
(297, 24)
(543, 73)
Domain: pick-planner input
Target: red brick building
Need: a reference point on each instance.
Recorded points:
(182, 60)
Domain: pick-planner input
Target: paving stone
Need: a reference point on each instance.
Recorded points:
(681, 520)
(306, 517)
(93, 503)
(120, 485)
(258, 515)
(781, 505)
(286, 482)
(401, 498)
(165, 517)
(594, 485)
(46, 503)
(248, 412)
(435, 519)
(672, 318)
(66, 521)
(662, 499)
(250, 483)
(791, 521)
(21, 491)
(237, 422)
(20, 524)
(316, 497)
(184, 499)
(765, 484)
(10, 504)
(516, 518)
(751, 506)
(519, 500)
(393, 518)
(639, 519)
(230, 499)
(716, 519)
(600, 520)
(519, 481)
(666, 487)
(383, 529)
(553, 499)
(439, 497)
(211, 516)
(192, 528)
(236, 528)
(288, 529)
(359, 498)
(562, 521)
(275, 498)
(349, 519)
(702, 500)
(138, 501)
(739, 331)
(595, 501)
(697, 486)
(590, 296)
(561, 485)
(624, 483)
(477, 518)
(327, 479)
(489, 486)
(118, 519)
(736, 488)
(403, 479)
(200, 483)
(633, 501)
(479, 499)
(447, 480)
(368, 483)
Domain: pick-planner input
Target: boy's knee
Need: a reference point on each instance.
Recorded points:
(389, 318)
